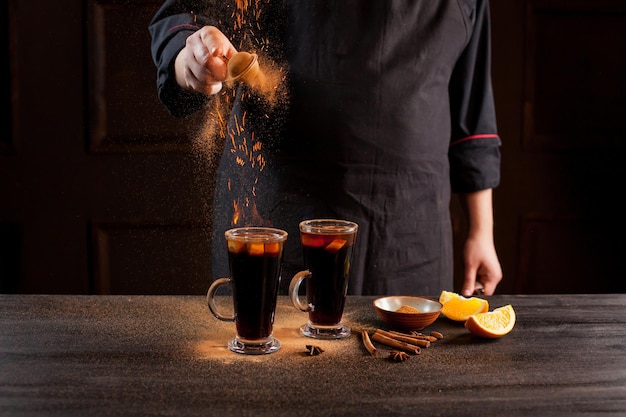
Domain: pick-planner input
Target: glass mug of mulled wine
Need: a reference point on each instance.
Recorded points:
(327, 247)
(254, 258)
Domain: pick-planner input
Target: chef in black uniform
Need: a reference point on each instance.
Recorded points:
(385, 108)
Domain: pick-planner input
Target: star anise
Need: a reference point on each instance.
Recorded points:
(398, 356)
(313, 350)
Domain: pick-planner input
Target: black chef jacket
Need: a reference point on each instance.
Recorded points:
(389, 108)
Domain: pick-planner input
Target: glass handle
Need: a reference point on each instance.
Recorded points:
(210, 297)
(294, 288)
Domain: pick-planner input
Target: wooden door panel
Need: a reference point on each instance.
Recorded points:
(575, 65)
(6, 91)
(144, 258)
(567, 254)
(10, 243)
(124, 111)
(96, 148)
(156, 238)
(556, 64)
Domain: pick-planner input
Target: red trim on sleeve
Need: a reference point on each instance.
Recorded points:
(483, 136)
(184, 25)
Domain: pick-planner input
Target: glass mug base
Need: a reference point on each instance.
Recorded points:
(251, 348)
(339, 331)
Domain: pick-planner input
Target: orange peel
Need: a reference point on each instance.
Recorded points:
(492, 324)
(459, 308)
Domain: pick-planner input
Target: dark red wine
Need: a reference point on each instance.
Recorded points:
(327, 257)
(255, 273)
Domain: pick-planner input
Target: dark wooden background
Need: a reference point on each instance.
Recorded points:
(102, 192)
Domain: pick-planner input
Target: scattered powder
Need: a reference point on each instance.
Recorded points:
(286, 330)
(222, 131)
(269, 83)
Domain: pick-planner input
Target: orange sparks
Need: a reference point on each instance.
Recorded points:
(246, 150)
(239, 129)
(236, 213)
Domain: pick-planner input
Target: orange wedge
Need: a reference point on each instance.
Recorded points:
(447, 296)
(272, 248)
(460, 308)
(312, 241)
(236, 247)
(335, 245)
(492, 324)
(256, 248)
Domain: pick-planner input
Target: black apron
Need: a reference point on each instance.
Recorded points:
(365, 137)
(389, 109)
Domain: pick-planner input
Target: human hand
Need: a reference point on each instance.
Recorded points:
(202, 64)
(481, 267)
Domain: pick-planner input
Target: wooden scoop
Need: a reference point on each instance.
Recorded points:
(244, 66)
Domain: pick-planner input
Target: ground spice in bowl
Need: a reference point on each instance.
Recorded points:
(408, 309)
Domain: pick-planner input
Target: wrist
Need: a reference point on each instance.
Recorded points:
(179, 69)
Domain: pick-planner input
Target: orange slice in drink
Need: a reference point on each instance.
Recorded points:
(460, 308)
(272, 248)
(312, 241)
(493, 324)
(335, 245)
(256, 248)
(236, 247)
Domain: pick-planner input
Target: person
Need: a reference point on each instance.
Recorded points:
(386, 107)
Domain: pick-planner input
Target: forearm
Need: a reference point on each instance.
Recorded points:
(481, 264)
(478, 207)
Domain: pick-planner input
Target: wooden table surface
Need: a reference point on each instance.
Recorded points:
(167, 356)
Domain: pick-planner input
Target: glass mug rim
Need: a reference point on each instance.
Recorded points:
(322, 226)
(256, 234)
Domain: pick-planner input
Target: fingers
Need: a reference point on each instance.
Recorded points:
(479, 289)
(482, 268)
(476, 287)
(477, 283)
(489, 286)
(202, 65)
(468, 287)
(216, 42)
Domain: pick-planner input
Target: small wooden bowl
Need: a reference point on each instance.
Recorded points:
(387, 307)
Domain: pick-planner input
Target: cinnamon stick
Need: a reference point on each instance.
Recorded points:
(430, 338)
(379, 337)
(415, 340)
(368, 343)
